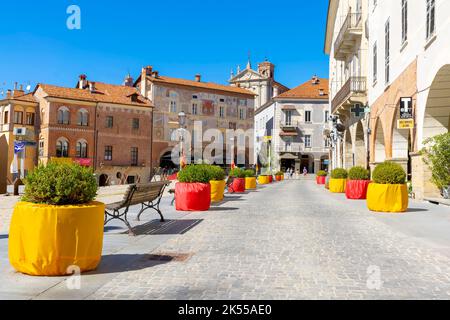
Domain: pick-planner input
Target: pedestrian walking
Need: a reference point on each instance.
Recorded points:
(305, 171)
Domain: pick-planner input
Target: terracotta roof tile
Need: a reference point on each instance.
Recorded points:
(307, 90)
(103, 92)
(202, 85)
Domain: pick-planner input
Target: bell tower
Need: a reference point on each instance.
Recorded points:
(266, 69)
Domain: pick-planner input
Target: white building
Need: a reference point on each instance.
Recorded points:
(409, 57)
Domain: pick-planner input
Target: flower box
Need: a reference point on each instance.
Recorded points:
(192, 196)
(337, 185)
(217, 190)
(357, 189)
(387, 197)
(237, 186)
(250, 183)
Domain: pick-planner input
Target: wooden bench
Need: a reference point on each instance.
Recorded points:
(147, 195)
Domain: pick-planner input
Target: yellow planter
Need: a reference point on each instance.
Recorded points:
(45, 240)
(337, 185)
(263, 179)
(217, 190)
(387, 197)
(250, 183)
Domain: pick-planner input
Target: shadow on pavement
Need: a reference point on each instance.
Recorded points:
(156, 227)
(223, 209)
(417, 210)
(128, 262)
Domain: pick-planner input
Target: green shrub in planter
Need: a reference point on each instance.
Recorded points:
(60, 184)
(250, 173)
(437, 156)
(217, 173)
(358, 173)
(322, 173)
(279, 173)
(339, 173)
(237, 173)
(389, 173)
(200, 173)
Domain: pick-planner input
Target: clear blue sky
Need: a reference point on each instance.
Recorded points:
(178, 38)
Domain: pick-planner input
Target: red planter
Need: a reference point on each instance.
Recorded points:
(238, 186)
(357, 189)
(270, 179)
(279, 178)
(192, 196)
(321, 180)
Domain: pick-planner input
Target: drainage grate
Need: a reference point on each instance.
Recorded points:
(169, 257)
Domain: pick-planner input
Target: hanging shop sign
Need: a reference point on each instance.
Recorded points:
(405, 124)
(406, 108)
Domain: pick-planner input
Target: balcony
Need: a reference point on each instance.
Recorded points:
(350, 32)
(353, 90)
(289, 126)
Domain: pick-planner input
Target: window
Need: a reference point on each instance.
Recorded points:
(387, 32)
(30, 119)
(375, 63)
(288, 117)
(308, 116)
(194, 97)
(241, 114)
(327, 143)
(194, 109)
(62, 148)
(109, 121)
(327, 116)
(83, 118)
(134, 156)
(307, 141)
(135, 123)
(173, 106)
(18, 117)
(108, 153)
(431, 13)
(222, 112)
(242, 102)
(82, 149)
(6, 117)
(404, 20)
(41, 148)
(63, 115)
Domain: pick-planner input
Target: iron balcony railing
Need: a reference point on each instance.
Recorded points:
(353, 86)
(353, 21)
(286, 124)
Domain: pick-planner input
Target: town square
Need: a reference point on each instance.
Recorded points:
(178, 162)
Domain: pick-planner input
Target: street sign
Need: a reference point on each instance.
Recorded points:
(267, 138)
(405, 124)
(19, 146)
(406, 108)
(358, 110)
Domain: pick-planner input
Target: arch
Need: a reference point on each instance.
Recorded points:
(62, 148)
(436, 118)
(82, 149)
(360, 146)
(400, 138)
(380, 145)
(348, 150)
(165, 160)
(63, 115)
(82, 117)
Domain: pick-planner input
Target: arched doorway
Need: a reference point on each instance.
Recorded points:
(380, 147)
(349, 161)
(103, 180)
(166, 161)
(437, 111)
(360, 146)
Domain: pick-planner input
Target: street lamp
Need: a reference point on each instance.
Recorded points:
(182, 123)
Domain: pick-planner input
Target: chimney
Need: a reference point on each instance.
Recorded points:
(148, 70)
(315, 80)
(198, 77)
(321, 92)
(155, 74)
(8, 94)
(82, 83)
(143, 85)
(18, 92)
(91, 87)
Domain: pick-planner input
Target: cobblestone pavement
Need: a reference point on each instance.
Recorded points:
(294, 240)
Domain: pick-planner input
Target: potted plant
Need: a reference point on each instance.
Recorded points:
(217, 182)
(338, 180)
(193, 191)
(57, 224)
(279, 175)
(357, 183)
(250, 179)
(321, 177)
(263, 179)
(437, 156)
(388, 192)
(238, 184)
